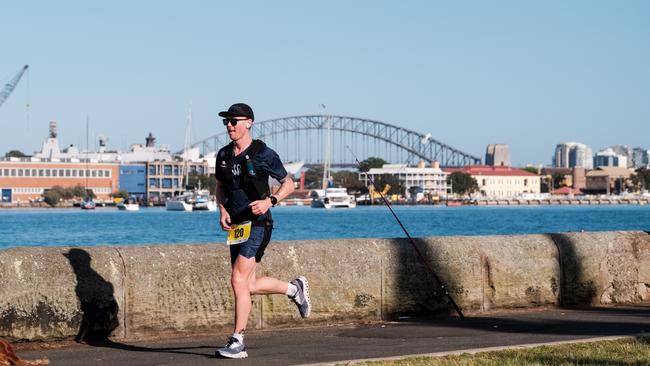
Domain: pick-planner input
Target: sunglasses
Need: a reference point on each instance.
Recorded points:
(232, 121)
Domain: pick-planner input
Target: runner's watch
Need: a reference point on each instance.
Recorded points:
(274, 200)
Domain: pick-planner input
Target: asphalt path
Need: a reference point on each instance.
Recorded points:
(341, 343)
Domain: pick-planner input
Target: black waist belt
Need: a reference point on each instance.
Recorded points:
(266, 223)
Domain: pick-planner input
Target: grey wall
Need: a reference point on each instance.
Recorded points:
(144, 291)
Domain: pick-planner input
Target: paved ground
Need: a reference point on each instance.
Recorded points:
(330, 344)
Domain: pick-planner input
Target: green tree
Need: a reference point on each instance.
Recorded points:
(558, 180)
(349, 180)
(121, 194)
(314, 177)
(208, 182)
(53, 196)
(641, 178)
(89, 194)
(15, 154)
(396, 186)
(462, 183)
(371, 162)
(77, 191)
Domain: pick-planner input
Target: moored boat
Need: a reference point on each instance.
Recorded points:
(203, 202)
(332, 197)
(128, 205)
(179, 203)
(88, 204)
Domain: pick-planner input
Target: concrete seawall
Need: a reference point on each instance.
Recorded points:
(145, 291)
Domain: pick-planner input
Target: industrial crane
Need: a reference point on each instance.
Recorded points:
(11, 85)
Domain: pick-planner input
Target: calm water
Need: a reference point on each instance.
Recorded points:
(47, 227)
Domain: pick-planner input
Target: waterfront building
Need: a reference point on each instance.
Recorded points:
(607, 180)
(572, 154)
(166, 179)
(552, 177)
(497, 155)
(26, 179)
(146, 171)
(579, 178)
(501, 181)
(609, 158)
(640, 157)
(575, 178)
(137, 152)
(431, 180)
(133, 180)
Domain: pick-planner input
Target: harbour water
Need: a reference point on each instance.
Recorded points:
(108, 226)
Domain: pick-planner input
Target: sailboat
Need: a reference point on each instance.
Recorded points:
(88, 203)
(202, 201)
(183, 202)
(194, 199)
(330, 196)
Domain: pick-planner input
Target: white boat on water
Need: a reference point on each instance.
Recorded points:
(192, 201)
(203, 202)
(129, 205)
(180, 203)
(332, 198)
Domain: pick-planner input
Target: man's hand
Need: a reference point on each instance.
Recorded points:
(224, 221)
(260, 207)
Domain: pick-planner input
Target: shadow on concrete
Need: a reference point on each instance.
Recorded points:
(107, 343)
(100, 309)
(575, 289)
(416, 290)
(596, 323)
(421, 299)
(98, 305)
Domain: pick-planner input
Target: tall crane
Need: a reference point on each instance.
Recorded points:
(11, 85)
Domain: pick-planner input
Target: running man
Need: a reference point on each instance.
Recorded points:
(244, 199)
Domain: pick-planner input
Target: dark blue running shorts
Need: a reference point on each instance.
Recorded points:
(254, 246)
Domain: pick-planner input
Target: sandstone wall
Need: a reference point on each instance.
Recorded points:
(143, 291)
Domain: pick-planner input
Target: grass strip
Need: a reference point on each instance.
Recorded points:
(624, 352)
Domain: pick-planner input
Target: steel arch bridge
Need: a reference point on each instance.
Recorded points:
(302, 138)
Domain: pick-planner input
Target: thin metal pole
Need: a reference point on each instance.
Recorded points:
(426, 264)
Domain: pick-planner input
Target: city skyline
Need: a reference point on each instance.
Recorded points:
(564, 154)
(530, 76)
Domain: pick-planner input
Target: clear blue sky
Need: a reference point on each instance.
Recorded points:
(527, 73)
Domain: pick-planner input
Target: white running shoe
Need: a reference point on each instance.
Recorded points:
(301, 298)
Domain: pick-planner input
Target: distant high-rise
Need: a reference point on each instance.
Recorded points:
(581, 156)
(497, 155)
(624, 151)
(640, 157)
(609, 157)
(571, 155)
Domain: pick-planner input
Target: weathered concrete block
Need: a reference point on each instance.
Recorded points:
(409, 288)
(344, 277)
(641, 248)
(518, 271)
(603, 268)
(173, 289)
(137, 291)
(55, 292)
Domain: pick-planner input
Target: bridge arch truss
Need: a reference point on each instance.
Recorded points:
(302, 138)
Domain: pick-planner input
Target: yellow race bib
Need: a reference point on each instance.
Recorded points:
(239, 233)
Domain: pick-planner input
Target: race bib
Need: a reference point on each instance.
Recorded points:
(239, 233)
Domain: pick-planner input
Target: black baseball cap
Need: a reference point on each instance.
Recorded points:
(238, 110)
